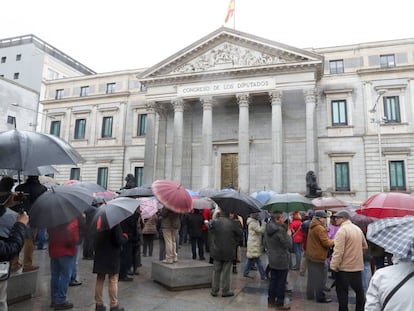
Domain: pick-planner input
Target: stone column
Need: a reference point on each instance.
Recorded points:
(177, 156)
(161, 148)
(207, 148)
(244, 148)
(311, 150)
(149, 155)
(277, 141)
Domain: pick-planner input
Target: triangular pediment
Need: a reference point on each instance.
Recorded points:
(228, 50)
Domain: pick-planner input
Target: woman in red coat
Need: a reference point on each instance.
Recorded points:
(297, 237)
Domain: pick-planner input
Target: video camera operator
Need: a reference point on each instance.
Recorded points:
(11, 246)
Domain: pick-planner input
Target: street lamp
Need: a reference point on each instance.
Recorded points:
(378, 120)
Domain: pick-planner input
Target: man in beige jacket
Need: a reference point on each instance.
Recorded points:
(347, 261)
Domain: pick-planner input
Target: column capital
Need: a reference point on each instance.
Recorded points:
(310, 95)
(243, 99)
(151, 106)
(275, 97)
(207, 102)
(178, 104)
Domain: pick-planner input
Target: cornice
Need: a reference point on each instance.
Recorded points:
(86, 98)
(397, 69)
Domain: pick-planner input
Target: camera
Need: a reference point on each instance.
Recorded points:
(21, 197)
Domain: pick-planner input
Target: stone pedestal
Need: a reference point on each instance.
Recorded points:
(182, 275)
(21, 286)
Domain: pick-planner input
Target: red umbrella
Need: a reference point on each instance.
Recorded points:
(173, 195)
(328, 203)
(387, 204)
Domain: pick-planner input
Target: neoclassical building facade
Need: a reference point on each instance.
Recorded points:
(233, 108)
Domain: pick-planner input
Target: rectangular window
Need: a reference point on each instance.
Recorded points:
(139, 175)
(387, 60)
(142, 124)
(59, 93)
(110, 88)
(392, 109)
(84, 91)
(55, 128)
(18, 57)
(342, 176)
(106, 127)
(75, 173)
(397, 175)
(336, 66)
(16, 76)
(11, 120)
(338, 108)
(80, 126)
(102, 177)
(51, 74)
(3, 59)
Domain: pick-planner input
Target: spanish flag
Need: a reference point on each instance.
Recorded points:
(230, 11)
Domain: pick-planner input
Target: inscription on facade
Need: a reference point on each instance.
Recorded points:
(225, 87)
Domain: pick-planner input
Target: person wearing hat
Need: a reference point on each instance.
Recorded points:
(347, 261)
(317, 246)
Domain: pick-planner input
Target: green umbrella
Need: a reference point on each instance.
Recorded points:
(287, 202)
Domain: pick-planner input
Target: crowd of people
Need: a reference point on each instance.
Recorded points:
(309, 243)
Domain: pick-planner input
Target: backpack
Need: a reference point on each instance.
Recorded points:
(305, 226)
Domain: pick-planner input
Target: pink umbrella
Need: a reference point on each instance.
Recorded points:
(173, 195)
(107, 195)
(328, 203)
(149, 207)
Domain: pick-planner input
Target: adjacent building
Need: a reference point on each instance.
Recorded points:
(234, 108)
(29, 61)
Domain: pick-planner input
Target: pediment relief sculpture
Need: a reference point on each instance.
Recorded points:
(228, 55)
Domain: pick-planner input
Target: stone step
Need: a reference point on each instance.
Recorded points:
(182, 275)
(21, 286)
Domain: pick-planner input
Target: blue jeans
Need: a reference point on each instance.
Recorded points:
(297, 248)
(61, 270)
(277, 286)
(248, 266)
(74, 275)
(365, 275)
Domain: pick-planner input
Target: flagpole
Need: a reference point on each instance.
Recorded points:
(234, 15)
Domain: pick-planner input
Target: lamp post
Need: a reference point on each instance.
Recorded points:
(378, 121)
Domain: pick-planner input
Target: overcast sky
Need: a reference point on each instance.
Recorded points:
(129, 34)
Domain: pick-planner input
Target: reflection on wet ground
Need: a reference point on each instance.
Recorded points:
(144, 295)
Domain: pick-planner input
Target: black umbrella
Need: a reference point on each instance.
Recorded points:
(89, 186)
(24, 150)
(58, 206)
(237, 203)
(137, 192)
(112, 213)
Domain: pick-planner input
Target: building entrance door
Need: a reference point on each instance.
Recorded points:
(229, 170)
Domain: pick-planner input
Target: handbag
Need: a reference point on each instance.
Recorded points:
(5, 269)
(409, 276)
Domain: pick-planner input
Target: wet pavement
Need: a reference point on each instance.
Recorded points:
(143, 294)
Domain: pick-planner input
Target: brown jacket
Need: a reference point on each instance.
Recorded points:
(318, 242)
(348, 251)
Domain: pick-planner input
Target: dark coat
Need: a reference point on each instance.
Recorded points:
(278, 244)
(225, 235)
(34, 189)
(195, 223)
(11, 246)
(108, 244)
(170, 219)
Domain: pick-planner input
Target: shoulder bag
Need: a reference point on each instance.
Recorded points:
(409, 276)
